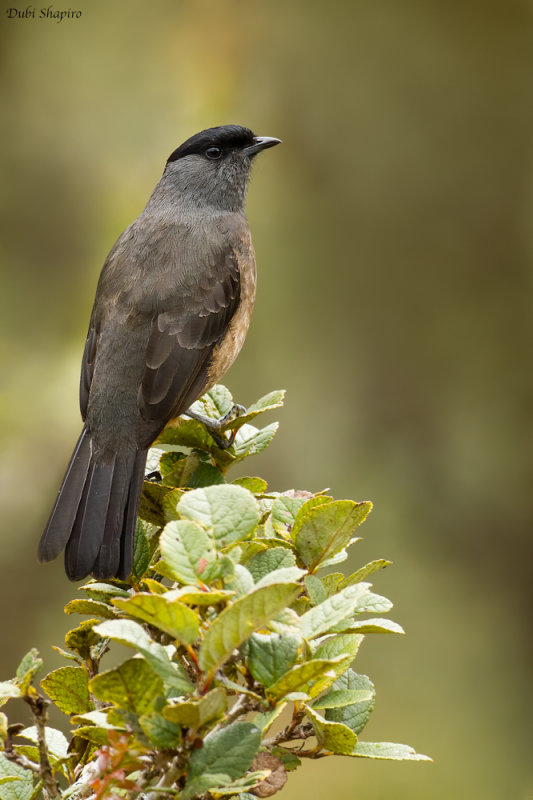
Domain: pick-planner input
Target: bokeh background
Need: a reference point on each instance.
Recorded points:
(394, 240)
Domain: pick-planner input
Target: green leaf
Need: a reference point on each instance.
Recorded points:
(299, 677)
(170, 616)
(191, 595)
(237, 622)
(20, 789)
(133, 635)
(322, 618)
(194, 713)
(270, 560)
(187, 551)
(269, 402)
(284, 511)
(241, 582)
(141, 550)
(370, 626)
(215, 403)
(89, 607)
(27, 669)
(387, 750)
(254, 485)
(151, 503)
(338, 698)
(332, 736)
(8, 691)
(56, 742)
(270, 656)
(355, 715)
(103, 591)
(250, 440)
(230, 512)
(82, 639)
(344, 644)
(161, 732)
(68, 687)
(326, 530)
(315, 590)
(132, 686)
(283, 575)
(364, 572)
(229, 751)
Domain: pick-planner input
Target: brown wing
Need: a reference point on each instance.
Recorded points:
(181, 340)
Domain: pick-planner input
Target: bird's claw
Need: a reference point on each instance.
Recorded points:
(215, 426)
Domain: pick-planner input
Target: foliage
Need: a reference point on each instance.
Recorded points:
(242, 646)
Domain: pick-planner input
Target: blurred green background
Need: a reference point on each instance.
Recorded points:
(393, 236)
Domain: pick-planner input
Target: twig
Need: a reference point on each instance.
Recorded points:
(38, 709)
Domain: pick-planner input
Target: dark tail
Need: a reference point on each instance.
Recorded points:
(95, 513)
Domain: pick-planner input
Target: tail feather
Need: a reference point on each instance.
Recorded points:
(130, 517)
(59, 526)
(87, 532)
(95, 513)
(108, 561)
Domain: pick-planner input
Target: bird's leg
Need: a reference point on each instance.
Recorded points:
(214, 426)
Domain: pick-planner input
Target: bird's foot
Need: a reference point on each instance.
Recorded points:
(215, 426)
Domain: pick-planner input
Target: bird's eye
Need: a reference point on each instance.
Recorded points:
(213, 153)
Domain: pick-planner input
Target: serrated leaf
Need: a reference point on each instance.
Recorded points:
(187, 551)
(332, 736)
(103, 591)
(170, 616)
(320, 619)
(373, 603)
(251, 441)
(270, 560)
(215, 403)
(270, 656)
(56, 742)
(343, 644)
(132, 686)
(254, 485)
(315, 590)
(28, 668)
(326, 530)
(21, 789)
(195, 713)
(299, 677)
(191, 595)
(133, 635)
(68, 687)
(364, 572)
(83, 638)
(284, 511)
(151, 503)
(237, 622)
(355, 715)
(89, 607)
(269, 402)
(371, 626)
(229, 751)
(241, 582)
(8, 691)
(141, 551)
(283, 575)
(161, 732)
(169, 504)
(337, 698)
(387, 750)
(229, 511)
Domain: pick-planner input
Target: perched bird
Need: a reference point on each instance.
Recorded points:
(172, 310)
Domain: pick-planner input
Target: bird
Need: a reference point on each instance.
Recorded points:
(172, 309)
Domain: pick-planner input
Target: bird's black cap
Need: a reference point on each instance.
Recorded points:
(225, 136)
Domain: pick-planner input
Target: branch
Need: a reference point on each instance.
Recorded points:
(38, 709)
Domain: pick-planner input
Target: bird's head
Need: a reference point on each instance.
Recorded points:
(213, 166)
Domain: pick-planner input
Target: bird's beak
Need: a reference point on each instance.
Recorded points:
(260, 143)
